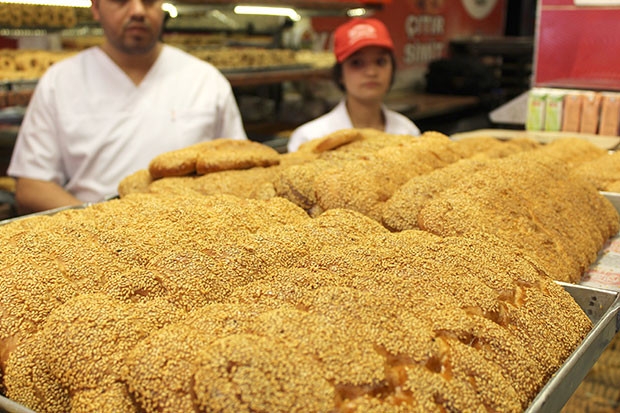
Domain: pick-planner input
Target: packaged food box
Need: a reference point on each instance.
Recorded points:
(535, 120)
(554, 103)
(610, 114)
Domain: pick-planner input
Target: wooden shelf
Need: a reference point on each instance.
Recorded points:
(416, 106)
(494, 46)
(255, 78)
(240, 78)
(303, 4)
(419, 106)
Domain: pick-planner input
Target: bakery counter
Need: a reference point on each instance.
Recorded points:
(605, 272)
(599, 389)
(544, 137)
(602, 307)
(418, 106)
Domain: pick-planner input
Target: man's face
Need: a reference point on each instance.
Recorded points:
(130, 26)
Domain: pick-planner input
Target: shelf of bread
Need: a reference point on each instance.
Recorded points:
(244, 66)
(21, 16)
(19, 67)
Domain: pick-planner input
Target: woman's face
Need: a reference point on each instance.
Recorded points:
(367, 74)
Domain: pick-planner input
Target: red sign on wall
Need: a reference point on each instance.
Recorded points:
(422, 29)
(577, 46)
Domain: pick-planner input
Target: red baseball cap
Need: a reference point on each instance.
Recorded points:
(358, 33)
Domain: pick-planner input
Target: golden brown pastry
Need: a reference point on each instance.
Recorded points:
(172, 300)
(487, 146)
(365, 184)
(603, 172)
(212, 156)
(512, 201)
(331, 141)
(137, 182)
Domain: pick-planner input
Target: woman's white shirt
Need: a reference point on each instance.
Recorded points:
(338, 118)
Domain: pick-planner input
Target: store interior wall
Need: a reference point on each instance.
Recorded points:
(520, 23)
(289, 104)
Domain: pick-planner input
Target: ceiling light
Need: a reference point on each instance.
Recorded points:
(80, 3)
(268, 11)
(68, 3)
(218, 15)
(356, 12)
(172, 11)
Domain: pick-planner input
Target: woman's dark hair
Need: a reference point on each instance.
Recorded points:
(337, 73)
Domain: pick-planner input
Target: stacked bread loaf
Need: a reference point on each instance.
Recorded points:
(430, 183)
(229, 277)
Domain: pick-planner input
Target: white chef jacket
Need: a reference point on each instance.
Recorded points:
(338, 118)
(88, 125)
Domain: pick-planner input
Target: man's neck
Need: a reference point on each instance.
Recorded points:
(135, 66)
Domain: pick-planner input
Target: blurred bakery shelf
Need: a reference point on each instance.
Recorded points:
(324, 7)
(240, 78)
(18, 91)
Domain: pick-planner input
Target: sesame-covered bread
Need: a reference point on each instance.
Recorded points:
(388, 274)
(162, 303)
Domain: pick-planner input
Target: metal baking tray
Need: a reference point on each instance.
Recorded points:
(613, 197)
(50, 212)
(9, 406)
(602, 307)
(260, 69)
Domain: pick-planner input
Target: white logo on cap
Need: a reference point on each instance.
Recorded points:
(362, 31)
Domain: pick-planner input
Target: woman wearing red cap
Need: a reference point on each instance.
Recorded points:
(364, 71)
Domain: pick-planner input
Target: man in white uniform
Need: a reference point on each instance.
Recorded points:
(364, 70)
(103, 114)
